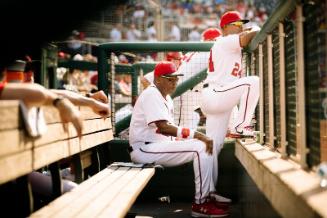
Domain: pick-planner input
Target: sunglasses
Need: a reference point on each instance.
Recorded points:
(237, 23)
(171, 79)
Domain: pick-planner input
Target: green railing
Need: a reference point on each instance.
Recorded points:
(105, 50)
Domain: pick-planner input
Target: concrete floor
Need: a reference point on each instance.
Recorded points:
(177, 183)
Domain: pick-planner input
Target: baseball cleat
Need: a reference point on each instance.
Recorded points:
(207, 209)
(245, 133)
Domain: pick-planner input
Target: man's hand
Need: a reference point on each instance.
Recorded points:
(100, 108)
(99, 96)
(69, 113)
(208, 141)
(209, 145)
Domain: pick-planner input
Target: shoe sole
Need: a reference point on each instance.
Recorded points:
(195, 214)
(237, 136)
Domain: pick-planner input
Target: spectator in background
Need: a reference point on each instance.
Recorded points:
(132, 33)
(151, 32)
(75, 45)
(194, 35)
(138, 15)
(174, 32)
(121, 86)
(116, 33)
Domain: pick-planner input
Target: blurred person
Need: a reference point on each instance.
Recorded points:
(74, 44)
(194, 35)
(121, 87)
(116, 33)
(133, 34)
(151, 32)
(138, 15)
(174, 32)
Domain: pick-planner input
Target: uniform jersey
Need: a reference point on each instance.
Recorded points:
(151, 106)
(225, 50)
(192, 63)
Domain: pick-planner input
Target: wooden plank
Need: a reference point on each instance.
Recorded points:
(89, 141)
(110, 193)
(292, 191)
(61, 203)
(9, 115)
(16, 140)
(92, 198)
(87, 113)
(55, 151)
(51, 114)
(123, 202)
(13, 141)
(21, 163)
(15, 166)
(86, 158)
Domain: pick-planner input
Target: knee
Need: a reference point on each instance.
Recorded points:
(199, 146)
(255, 82)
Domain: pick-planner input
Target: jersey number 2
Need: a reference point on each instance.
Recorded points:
(236, 70)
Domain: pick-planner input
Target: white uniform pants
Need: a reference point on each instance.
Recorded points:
(174, 153)
(219, 101)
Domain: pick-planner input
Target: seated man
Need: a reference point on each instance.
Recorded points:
(152, 133)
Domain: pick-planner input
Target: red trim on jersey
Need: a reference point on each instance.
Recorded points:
(2, 86)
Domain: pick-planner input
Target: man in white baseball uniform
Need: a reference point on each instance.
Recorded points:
(223, 88)
(152, 133)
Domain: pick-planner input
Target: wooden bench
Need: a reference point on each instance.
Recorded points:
(110, 193)
(21, 154)
(108, 187)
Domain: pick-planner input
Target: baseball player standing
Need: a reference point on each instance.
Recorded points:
(223, 88)
(152, 133)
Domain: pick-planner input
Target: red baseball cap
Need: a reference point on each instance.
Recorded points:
(174, 55)
(166, 68)
(230, 17)
(210, 34)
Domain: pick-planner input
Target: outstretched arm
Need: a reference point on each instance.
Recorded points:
(98, 107)
(37, 95)
(247, 36)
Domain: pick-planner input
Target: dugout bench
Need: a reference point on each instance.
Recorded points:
(101, 187)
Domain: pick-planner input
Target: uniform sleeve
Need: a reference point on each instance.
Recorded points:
(150, 77)
(230, 42)
(155, 108)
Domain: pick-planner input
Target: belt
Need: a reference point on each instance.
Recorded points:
(205, 85)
